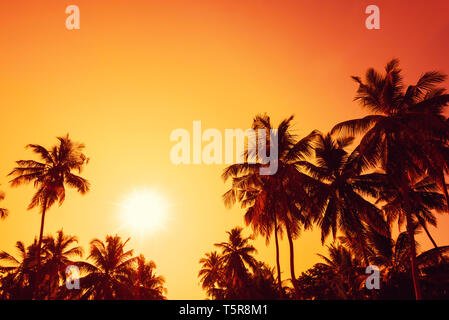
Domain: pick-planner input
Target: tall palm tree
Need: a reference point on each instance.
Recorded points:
(398, 133)
(236, 257)
(211, 275)
(60, 252)
(147, 285)
(3, 211)
(51, 175)
(275, 202)
(340, 191)
(109, 275)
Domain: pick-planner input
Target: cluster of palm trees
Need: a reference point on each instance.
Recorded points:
(233, 273)
(113, 274)
(395, 174)
(41, 270)
(343, 273)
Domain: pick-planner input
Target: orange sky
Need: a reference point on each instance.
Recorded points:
(136, 70)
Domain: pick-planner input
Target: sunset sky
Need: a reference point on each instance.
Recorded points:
(137, 70)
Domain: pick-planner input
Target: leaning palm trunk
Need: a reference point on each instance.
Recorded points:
(431, 239)
(442, 185)
(292, 263)
(411, 236)
(423, 225)
(278, 263)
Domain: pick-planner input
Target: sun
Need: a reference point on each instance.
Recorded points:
(144, 210)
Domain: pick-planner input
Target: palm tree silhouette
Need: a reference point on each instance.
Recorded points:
(147, 285)
(236, 255)
(51, 176)
(393, 257)
(344, 271)
(424, 196)
(109, 275)
(59, 253)
(211, 275)
(402, 128)
(339, 191)
(19, 272)
(274, 202)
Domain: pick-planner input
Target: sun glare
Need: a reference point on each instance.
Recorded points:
(144, 210)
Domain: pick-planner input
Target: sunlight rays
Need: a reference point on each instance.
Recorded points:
(145, 211)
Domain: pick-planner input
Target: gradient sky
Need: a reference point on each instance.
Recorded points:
(136, 70)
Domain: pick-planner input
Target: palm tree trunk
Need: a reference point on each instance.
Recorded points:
(292, 263)
(38, 251)
(431, 239)
(423, 225)
(442, 184)
(411, 236)
(278, 263)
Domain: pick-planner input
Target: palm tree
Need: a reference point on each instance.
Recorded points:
(424, 196)
(51, 175)
(109, 275)
(147, 285)
(3, 211)
(399, 133)
(236, 256)
(263, 284)
(340, 190)
(393, 258)
(18, 272)
(344, 270)
(59, 254)
(274, 202)
(211, 275)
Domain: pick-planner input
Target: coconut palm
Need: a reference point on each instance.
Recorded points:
(424, 196)
(393, 258)
(279, 201)
(398, 135)
(147, 285)
(3, 211)
(345, 272)
(236, 257)
(340, 190)
(109, 275)
(19, 273)
(59, 252)
(211, 275)
(51, 175)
